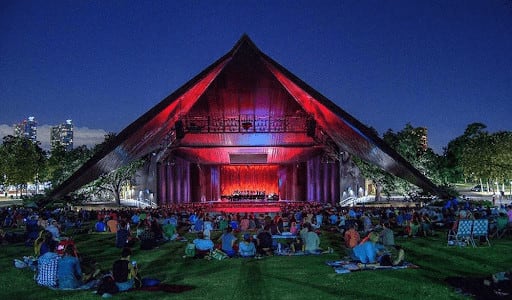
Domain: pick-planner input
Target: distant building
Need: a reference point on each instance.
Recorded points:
(62, 134)
(27, 128)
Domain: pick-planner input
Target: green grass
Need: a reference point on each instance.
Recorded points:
(278, 277)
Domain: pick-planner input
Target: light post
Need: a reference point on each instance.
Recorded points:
(510, 190)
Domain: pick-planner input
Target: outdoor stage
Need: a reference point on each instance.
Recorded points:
(249, 206)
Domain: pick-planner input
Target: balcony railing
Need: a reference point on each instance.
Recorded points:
(243, 124)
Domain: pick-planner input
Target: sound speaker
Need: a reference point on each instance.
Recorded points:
(180, 131)
(310, 127)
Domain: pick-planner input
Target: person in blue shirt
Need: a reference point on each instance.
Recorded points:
(228, 241)
(69, 273)
(203, 246)
(368, 251)
(246, 248)
(100, 226)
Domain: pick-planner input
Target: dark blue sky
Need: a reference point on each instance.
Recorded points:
(439, 64)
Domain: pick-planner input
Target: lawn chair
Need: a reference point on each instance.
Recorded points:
(481, 230)
(463, 235)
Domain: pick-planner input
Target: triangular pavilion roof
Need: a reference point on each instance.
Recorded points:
(244, 65)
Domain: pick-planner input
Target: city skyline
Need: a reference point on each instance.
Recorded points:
(440, 66)
(81, 135)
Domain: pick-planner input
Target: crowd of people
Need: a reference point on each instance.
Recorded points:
(367, 234)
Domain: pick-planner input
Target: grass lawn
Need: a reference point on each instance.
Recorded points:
(278, 277)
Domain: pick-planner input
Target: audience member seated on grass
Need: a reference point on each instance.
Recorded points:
(112, 225)
(123, 236)
(312, 242)
(203, 246)
(368, 251)
(244, 223)
(69, 273)
(426, 225)
(246, 247)
(351, 236)
(264, 241)
(147, 238)
(387, 236)
(496, 228)
(274, 229)
(54, 228)
(32, 230)
(297, 246)
(124, 271)
(44, 243)
(223, 223)
(198, 225)
(47, 266)
(100, 226)
(207, 227)
(228, 241)
(170, 233)
(157, 230)
(412, 228)
(135, 219)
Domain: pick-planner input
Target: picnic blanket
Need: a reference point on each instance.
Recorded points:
(347, 266)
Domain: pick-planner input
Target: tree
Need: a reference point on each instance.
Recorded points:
(488, 156)
(113, 182)
(61, 163)
(452, 158)
(22, 160)
(410, 144)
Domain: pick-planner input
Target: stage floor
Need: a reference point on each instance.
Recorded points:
(245, 206)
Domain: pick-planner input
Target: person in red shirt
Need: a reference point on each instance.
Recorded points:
(351, 236)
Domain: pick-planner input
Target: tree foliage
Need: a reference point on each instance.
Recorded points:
(21, 161)
(62, 164)
(410, 145)
(487, 155)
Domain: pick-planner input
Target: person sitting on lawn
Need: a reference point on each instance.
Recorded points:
(312, 242)
(100, 226)
(54, 228)
(69, 273)
(147, 238)
(44, 243)
(47, 265)
(112, 225)
(124, 271)
(368, 251)
(351, 236)
(123, 236)
(264, 241)
(228, 241)
(246, 248)
(203, 246)
(297, 246)
(170, 232)
(387, 236)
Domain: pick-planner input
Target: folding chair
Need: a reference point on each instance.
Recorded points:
(481, 230)
(463, 235)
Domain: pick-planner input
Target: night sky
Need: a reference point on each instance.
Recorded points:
(439, 64)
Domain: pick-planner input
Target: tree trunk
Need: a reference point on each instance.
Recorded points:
(117, 197)
(378, 190)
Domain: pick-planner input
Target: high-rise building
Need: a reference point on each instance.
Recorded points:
(62, 134)
(26, 128)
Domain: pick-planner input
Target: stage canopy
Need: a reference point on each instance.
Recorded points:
(244, 109)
